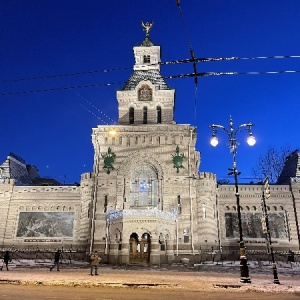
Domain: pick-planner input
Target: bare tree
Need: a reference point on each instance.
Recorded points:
(271, 164)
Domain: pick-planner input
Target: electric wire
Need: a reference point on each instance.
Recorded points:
(192, 55)
(173, 62)
(65, 74)
(202, 74)
(61, 88)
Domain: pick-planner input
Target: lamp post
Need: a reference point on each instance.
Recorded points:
(233, 144)
(266, 229)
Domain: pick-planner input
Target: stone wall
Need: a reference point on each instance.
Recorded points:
(44, 216)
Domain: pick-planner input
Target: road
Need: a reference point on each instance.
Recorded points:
(156, 282)
(30, 292)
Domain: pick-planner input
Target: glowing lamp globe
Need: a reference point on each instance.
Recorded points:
(214, 141)
(251, 140)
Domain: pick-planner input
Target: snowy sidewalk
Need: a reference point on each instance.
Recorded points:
(198, 277)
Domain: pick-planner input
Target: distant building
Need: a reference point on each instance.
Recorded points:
(144, 201)
(291, 168)
(14, 167)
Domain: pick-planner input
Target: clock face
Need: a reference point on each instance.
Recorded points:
(145, 93)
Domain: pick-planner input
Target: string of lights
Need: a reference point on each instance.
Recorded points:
(94, 114)
(97, 109)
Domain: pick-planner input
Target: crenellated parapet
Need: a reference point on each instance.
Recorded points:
(7, 182)
(207, 176)
(207, 182)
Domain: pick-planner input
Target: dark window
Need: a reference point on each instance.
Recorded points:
(179, 204)
(186, 239)
(105, 203)
(162, 247)
(131, 115)
(145, 115)
(158, 114)
(146, 59)
(120, 246)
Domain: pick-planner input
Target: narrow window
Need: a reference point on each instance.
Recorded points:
(131, 115)
(105, 203)
(179, 204)
(186, 239)
(146, 59)
(158, 114)
(145, 115)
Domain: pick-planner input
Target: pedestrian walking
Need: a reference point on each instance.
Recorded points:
(94, 262)
(56, 260)
(6, 259)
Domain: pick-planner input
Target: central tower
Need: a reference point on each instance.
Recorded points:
(145, 207)
(146, 97)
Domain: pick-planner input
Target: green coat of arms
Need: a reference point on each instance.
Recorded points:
(178, 159)
(109, 160)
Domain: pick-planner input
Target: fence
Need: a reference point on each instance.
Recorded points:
(68, 256)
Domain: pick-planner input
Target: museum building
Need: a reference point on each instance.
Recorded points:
(145, 201)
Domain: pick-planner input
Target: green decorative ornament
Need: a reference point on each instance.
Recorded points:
(178, 159)
(109, 160)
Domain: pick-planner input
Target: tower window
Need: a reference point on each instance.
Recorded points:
(131, 115)
(145, 115)
(146, 59)
(158, 114)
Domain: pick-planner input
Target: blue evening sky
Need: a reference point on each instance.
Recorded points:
(52, 130)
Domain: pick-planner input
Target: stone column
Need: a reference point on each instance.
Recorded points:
(113, 253)
(155, 252)
(170, 251)
(124, 254)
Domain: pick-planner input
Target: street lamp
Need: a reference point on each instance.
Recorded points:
(233, 144)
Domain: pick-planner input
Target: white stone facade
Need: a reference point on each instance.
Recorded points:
(145, 201)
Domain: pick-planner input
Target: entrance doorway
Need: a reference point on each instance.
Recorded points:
(139, 249)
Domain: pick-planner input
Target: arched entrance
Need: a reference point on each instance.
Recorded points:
(139, 249)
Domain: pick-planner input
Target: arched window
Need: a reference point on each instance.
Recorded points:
(131, 115)
(145, 115)
(158, 114)
(144, 187)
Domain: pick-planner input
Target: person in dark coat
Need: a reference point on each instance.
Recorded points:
(56, 260)
(6, 259)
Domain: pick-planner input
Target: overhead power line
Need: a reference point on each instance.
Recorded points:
(173, 62)
(60, 88)
(193, 59)
(202, 74)
(65, 75)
